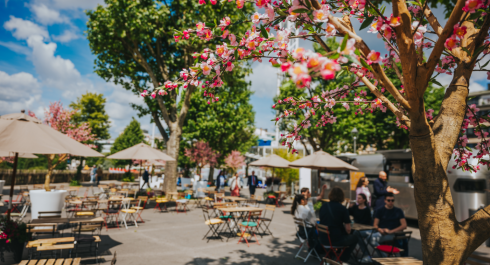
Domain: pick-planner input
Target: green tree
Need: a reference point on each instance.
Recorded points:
(134, 47)
(375, 128)
(226, 125)
(287, 175)
(131, 136)
(91, 108)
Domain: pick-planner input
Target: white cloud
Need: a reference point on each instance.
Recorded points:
(71, 4)
(66, 36)
(18, 91)
(54, 70)
(23, 29)
(47, 16)
(264, 80)
(16, 47)
(445, 80)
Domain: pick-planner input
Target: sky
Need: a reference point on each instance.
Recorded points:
(45, 57)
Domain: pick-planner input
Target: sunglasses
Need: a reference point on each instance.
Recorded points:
(390, 200)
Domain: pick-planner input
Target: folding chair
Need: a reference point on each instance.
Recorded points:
(248, 229)
(139, 208)
(23, 213)
(160, 201)
(85, 213)
(389, 246)
(303, 236)
(330, 262)
(38, 229)
(265, 221)
(53, 214)
(201, 195)
(82, 239)
(15, 203)
(219, 197)
(111, 214)
(181, 205)
(329, 248)
(128, 213)
(212, 223)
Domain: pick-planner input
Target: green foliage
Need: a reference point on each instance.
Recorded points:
(131, 136)
(134, 46)
(128, 177)
(37, 163)
(225, 125)
(317, 206)
(91, 109)
(287, 175)
(377, 128)
(75, 182)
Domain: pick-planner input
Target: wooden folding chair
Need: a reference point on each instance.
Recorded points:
(212, 223)
(303, 237)
(140, 207)
(38, 229)
(248, 229)
(389, 246)
(82, 239)
(327, 246)
(265, 221)
(219, 197)
(111, 214)
(128, 212)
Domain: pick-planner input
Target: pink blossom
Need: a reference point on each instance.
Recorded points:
(261, 3)
(200, 26)
(330, 30)
(229, 66)
(145, 93)
(394, 21)
(459, 31)
(451, 43)
(346, 105)
(269, 11)
(285, 66)
(321, 15)
(240, 3)
(374, 57)
(472, 5)
(206, 69)
(202, 2)
(256, 18)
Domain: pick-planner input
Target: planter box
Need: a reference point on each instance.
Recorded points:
(43, 201)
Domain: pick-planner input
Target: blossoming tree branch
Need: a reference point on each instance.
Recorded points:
(417, 42)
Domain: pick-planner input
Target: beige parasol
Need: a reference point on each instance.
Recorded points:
(141, 152)
(21, 155)
(20, 133)
(322, 160)
(271, 161)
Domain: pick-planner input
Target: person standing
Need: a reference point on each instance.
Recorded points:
(146, 177)
(362, 188)
(220, 181)
(100, 171)
(252, 183)
(381, 189)
(93, 173)
(235, 186)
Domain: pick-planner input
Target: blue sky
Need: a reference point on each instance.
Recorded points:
(45, 57)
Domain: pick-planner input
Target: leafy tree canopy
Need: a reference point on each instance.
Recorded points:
(131, 136)
(90, 108)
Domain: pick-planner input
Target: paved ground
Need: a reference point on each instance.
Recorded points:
(176, 238)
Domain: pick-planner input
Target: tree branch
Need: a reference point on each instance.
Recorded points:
(433, 22)
(321, 42)
(397, 71)
(377, 69)
(162, 130)
(158, 59)
(439, 46)
(163, 108)
(477, 229)
(185, 105)
(403, 119)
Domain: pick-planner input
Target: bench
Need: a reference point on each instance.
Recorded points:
(75, 261)
(397, 261)
(477, 260)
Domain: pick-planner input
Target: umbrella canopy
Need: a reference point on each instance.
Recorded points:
(271, 161)
(20, 133)
(141, 152)
(22, 155)
(322, 160)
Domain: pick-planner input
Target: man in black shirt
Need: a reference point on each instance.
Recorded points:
(389, 220)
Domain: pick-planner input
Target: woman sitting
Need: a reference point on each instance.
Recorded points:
(334, 215)
(362, 215)
(301, 210)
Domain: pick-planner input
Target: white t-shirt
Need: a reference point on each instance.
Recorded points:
(303, 212)
(222, 181)
(366, 192)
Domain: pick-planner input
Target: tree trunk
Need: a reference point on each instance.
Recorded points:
(50, 172)
(444, 239)
(78, 175)
(211, 175)
(173, 146)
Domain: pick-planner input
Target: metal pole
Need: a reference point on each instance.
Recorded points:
(12, 184)
(355, 138)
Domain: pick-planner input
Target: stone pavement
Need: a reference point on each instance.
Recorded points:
(176, 238)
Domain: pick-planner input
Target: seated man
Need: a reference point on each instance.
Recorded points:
(389, 220)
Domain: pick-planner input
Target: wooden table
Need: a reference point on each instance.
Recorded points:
(234, 198)
(397, 261)
(75, 261)
(361, 227)
(58, 220)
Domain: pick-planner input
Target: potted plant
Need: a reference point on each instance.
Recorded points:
(13, 236)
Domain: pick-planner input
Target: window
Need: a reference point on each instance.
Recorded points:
(470, 185)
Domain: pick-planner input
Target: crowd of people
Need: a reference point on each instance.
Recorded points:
(375, 209)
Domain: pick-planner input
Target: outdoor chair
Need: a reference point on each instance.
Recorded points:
(303, 237)
(201, 196)
(159, 202)
(52, 214)
(84, 239)
(111, 214)
(181, 205)
(129, 213)
(15, 203)
(85, 213)
(251, 203)
(22, 214)
(212, 223)
(89, 205)
(219, 197)
(265, 221)
(327, 246)
(248, 229)
(389, 248)
(330, 262)
(42, 229)
(140, 207)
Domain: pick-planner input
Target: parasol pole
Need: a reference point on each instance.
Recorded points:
(12, 184)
